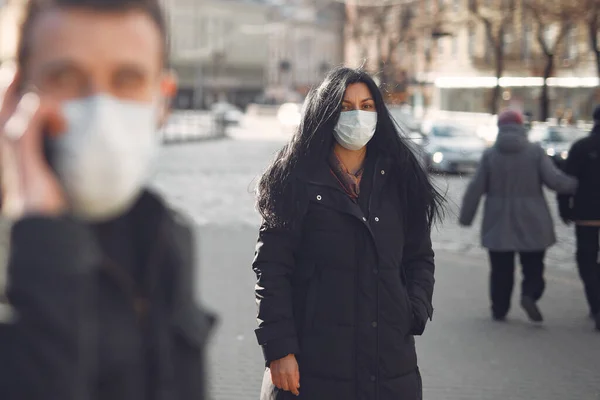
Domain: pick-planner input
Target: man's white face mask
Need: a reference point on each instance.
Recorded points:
(104, 158)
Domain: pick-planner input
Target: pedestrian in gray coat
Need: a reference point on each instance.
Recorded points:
(512, 175)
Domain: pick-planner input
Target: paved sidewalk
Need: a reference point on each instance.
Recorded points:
(463, 355)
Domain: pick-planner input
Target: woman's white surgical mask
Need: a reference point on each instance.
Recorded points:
(355, 129)
(104, 158)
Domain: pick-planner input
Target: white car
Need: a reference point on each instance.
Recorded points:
(556, 140)
(453, 148)
(232, 114)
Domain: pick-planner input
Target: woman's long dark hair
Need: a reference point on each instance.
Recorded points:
(312, 143)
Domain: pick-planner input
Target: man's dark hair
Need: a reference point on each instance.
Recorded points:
(36, 7)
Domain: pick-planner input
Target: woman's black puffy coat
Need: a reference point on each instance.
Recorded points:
(346, 290)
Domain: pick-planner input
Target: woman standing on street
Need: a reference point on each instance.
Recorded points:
(344, 259)
(512, 175)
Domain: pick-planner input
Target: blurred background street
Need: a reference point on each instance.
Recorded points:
(446, 68)
(463, 355)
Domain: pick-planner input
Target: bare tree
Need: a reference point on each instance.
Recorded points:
(497, 18)
(383, 26)
(592, 10)
(552, 20)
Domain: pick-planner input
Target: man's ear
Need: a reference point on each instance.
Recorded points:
(168, 90)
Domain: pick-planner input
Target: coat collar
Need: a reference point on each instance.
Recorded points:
(320, 173)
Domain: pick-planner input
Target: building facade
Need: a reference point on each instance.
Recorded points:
(238, 51)
(218, 50)
(305, 42)
(449, 64)
(241, 51)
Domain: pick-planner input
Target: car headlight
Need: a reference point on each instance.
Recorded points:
(551, 152)
(437, 157)
(564, 155)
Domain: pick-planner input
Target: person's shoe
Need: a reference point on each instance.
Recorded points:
(532, 310)
(499, 318)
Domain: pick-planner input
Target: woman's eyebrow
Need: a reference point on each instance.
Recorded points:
(365, 100)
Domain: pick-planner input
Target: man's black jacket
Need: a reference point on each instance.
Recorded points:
(76, 325)
(584, 164)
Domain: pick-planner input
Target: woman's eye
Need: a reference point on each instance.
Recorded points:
(368, 107)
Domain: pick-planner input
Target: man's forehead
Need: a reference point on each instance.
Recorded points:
(102, 37)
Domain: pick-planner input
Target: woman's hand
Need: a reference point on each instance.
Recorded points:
(285, 374)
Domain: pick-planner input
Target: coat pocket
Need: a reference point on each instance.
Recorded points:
(408, 304)
(312, 297)
(306, 288)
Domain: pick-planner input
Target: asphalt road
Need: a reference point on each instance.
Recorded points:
(463, 355)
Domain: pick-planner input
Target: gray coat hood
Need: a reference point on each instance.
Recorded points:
(511, 139)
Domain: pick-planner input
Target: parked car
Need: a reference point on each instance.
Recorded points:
(453, 148)
(405, 120)
(556, 140)
(231, 114)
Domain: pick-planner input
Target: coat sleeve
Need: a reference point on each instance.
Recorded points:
(274, 263)
(554, 178)
(48, 315)
(571, 168)
(476, 189)
(419, 267)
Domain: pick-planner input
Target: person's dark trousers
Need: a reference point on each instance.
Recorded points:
(588, 249)
(502, 278)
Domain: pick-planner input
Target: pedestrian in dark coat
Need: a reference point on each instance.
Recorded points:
(344, 260)
(583, 208)
(512, 175)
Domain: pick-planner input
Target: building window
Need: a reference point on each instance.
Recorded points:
(488, 52)
(412, 46)
(472, 38)
(571, 52)
(508, 39)
(527, 42)
(183, 22)
(454, 45)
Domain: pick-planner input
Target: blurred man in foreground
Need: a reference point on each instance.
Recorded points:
(99, 297)
(584, 209)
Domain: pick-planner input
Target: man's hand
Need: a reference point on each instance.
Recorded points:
(286, 375)
(28, 184)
